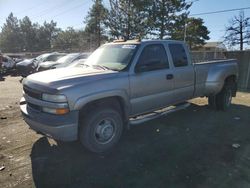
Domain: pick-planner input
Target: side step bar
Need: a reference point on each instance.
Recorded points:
(156, 114)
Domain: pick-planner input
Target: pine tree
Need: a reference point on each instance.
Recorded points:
(163, 16)
(95, 23)
(128, 18)
(10, 38)
(196, 32)
(67, 40)
(29, 36)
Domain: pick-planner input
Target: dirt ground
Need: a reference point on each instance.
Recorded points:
(193, 148)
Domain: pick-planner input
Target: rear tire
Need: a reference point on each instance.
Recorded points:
(100, 129)
(222, 100)
(211, 102)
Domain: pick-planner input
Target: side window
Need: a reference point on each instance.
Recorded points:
(153, 57)
(178, 54)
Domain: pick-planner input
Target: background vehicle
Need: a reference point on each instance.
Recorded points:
(29, 66)
(62, 62)
(80, 59)
(79, 62)
(119, 83)
(8, 63)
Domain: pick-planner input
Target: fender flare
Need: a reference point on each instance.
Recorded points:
(82, 101)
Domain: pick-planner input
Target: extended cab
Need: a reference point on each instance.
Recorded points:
(95, 101)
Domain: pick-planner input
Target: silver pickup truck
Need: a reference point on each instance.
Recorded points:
(120, 81)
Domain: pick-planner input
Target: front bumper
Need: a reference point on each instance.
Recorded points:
(59, 127)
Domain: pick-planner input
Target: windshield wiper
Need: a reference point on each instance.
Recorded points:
(84, 65)
(99, 66)
(102, 67)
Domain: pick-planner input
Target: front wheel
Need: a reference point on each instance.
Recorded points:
(100, 129)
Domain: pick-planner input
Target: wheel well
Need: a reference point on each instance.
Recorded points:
(115, 102)
(231, 81)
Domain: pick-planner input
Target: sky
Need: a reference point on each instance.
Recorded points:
(71, 13)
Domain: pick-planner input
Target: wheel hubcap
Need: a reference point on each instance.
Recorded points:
(229, 98)
(104, 131)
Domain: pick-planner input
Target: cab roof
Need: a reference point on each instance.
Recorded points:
(138, 41)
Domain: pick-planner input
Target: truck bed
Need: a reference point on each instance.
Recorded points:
(210, 75)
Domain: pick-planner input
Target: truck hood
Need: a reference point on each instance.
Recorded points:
(68, 77)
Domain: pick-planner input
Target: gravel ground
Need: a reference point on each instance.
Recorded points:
(10, 91)
(192, 148)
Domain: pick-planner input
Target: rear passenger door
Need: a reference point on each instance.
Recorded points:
(183, 72)
(151, 83)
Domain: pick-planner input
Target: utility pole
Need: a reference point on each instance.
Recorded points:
(185, 30)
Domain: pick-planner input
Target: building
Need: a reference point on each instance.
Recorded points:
(213, 47)
(210, 51)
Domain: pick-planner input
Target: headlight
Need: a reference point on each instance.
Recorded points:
(54, 98)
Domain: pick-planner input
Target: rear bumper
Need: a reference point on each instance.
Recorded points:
(64, 128)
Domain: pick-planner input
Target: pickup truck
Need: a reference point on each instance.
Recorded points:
(122, 80)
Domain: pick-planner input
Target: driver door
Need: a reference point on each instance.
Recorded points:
(152, 84)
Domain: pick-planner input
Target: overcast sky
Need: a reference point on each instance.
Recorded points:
(71, 13)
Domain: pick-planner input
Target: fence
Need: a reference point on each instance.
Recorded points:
(243, 58)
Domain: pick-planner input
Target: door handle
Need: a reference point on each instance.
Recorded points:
(169, 76)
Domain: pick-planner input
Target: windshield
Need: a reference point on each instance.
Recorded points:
(113, 56)
(66, 59)
(41, 57)
(53, 57)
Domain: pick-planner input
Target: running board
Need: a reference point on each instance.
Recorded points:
(156, 114)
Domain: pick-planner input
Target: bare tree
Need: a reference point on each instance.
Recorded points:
(238, 32)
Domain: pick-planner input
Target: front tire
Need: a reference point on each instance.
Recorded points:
(100, 129)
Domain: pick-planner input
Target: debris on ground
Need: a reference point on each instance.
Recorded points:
(3, 117)
(236, 118)
(2, 168)
(157, 130)
(236, 146)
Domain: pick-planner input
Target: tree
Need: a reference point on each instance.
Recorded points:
(128, 18)
(23, 35)
(95, 23)
(28, 33)
(67, 40)
(10, 38)
(238, 32)
(46, 34)
(164, 14)
(196, 32)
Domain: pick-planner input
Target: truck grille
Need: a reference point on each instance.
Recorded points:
(32, 93)
(33, 106)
